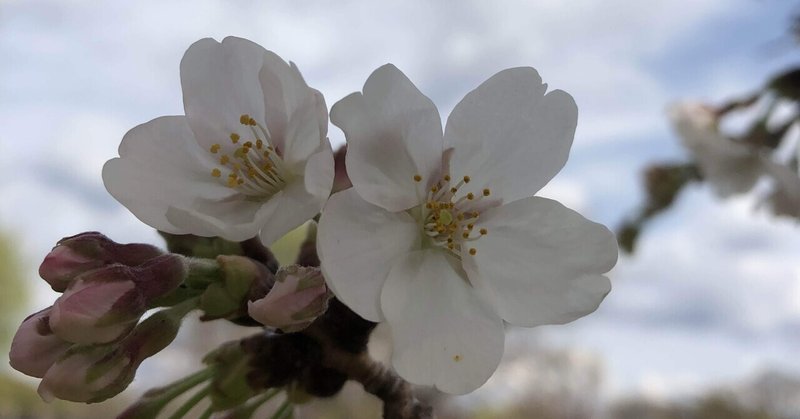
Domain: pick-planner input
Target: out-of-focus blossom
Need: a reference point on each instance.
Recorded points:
(298, 297)
(251, 157)
(75, 255)
(441, 236)
(784, 199)
(729, 167)
(35, 347)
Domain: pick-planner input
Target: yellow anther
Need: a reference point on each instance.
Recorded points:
(267, 167)
(453, 190)
(457, 358)
(466, 179)
(259, 144)
(417, 178)
(465, 235)
(473, 251)
(447, 178)
(470, 196)
(450, 246)
(266, 154)
(470, 226)
(240, 181)
(234, 138)
(251, 173)
(248, 144)
(216, 173)
(449, 239)
(434, 189)
(244, 119)
(486, 192)
(231, 182)
(224, 159)
(484, 231)
(429, 205)
(251, 122)
(215, 148)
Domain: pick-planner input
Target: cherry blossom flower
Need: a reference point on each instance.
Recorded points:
(251, 156)
(441, 236)
(729, 167)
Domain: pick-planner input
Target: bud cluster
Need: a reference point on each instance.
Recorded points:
(88, 344)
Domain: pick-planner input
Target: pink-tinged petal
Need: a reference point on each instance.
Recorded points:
(509, 136)
(220, 84)
(71, 377)
(542, 262)
(35, 348)
(296, 115)
(77, 315)
(298, 296)
(357, 243)
(393, 133)
(62, 264)
(160, 166)
(444, 333)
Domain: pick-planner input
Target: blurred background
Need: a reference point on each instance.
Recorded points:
(704, 317)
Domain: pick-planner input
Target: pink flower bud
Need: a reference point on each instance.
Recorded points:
(88, 374)
(75, 255)
(35, 348)
(298, 297)
(98, 307)
(103, 305)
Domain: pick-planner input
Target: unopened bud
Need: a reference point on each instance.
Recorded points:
(75, 255)
(35, 348)
(241, 279)
(298, 296)
(103, 305)
(229, 385)
(88, 374)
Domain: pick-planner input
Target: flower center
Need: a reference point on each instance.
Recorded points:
(253, 168)
(449, 216)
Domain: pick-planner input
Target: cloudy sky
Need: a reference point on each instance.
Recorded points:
(714, 292)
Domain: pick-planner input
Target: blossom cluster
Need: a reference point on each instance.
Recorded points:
(434, 230)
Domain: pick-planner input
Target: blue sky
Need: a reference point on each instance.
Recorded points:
(713, 294)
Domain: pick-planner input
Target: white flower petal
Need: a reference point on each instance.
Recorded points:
(287, 98)
(220, 83)
(319, 172)
(509, 136)
(235, 218)
(160, 166)
(393, 133)
(542, 262)
(444, 334)
(357, 243)
(287, 210)
(303, 132)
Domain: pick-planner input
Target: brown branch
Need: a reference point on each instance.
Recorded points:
(379, 380)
